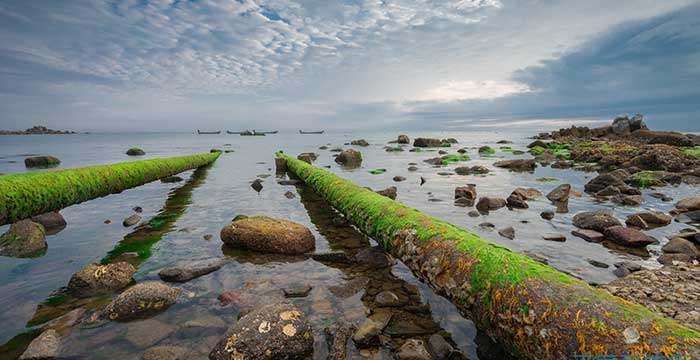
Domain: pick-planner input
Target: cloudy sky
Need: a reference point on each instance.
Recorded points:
(352, 64)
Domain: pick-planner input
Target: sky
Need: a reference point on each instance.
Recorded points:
(176, 65)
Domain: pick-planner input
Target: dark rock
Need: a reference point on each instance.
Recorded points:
(547, 215)
(41, 161)
(280, 165)
(442, 152)
(560, 193)
(487, 225)
(137, 209)
(474, 213)
(413, 349)
(516, 201)
(508, 232)
(663, 137)
(45, 346)
(53, 222)
(277, 331)
(439, 348)
(308, 157)
(25, 238)
(598, 264)
(289, 195)
(403, 139)
(679, 245)
(537, 143)
(387, 298)
(614, 178)
(609, 190)
(504, 142)
(588, 235)
(135, 152)
(462, 151)
(389, 192)
(367, 334)
(517, 165)
(636, 221)
(95, 279)
(140, 301)
(399, 178)
(208, 237)
(487, 204)
(422, 181)
(562, 164)
(464, 202)
(296, 290)
(628, 237)
(651, 219)
(554, 237)
(360, 142)
(133, 219)
(349, 157)
(374, 257)
(257, 185)
(690, 217)
(486, 150)
(467, 192)
(190, 270)
(595, 220)
(661, 196)
(427, 142)
(289, 182)
(412, 168)
(338, 257)
(264, 234)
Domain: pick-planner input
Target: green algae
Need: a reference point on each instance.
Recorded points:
(647, 178)
(377, 171)
(487, 150)
(452, 158)
(692, 151)
(537, 150)
(27, 194)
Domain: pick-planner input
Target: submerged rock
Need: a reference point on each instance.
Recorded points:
(190, 270)
(264, 234)
(256, 185)
(277, 331)
(349, 157)
(45, 346)
(53, 222)
(171, 179)
(429, 142)
(165, 352)
(367, 333)
(25, 238)
(614, 179)
(476, 169)
(140, 301)
(41, 161)
(399, 178)
(95, 279)
(588, 235)
(595, 220)
(689, 204)
(648, 219)
(547, 214)
(337, 336)
(296, 290)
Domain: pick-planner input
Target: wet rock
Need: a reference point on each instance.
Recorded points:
(308, 157)
(264, 234)
(388, 299)
(689, 204)
(476, 169)
(528, 193)
(473, 213)
(560, 193)
(337, 336)
(609, 191)
(338, 257)
(95, 279)
(360, 142)
(412, 168)
(53, 222)
(439, 348)
(289, 195)
(648, 219)
(171, 179)
(287, 182)
(165, 352)
(516, 201)
(374, 257)
(554, 237)
(679, 245)
(661, 196)
(296, 290)
(508, 232)
(145, 333)
(487, 204)
(140, 301)
(208, 237)
(25, 238)
(562, 164)
(462, 151)
(277, 331)
(393, 149)
(547, 214)
(629, 200)
(403, 139)
(467, 192)
(625, 268)
(628, 237)
(450, 141)
(537, 143)
(595, 220)
(399, 178)
(349, 157)
(132, 220)
(614, 178)
(690, 217)
(389, 192)
(280, 165)
(517, 165)
(422, 181)
(367, 334)
(427, 142)
(673, 259)
(487, 225)
(45, 346)
(413, 349)
(190, 270)
(257, 185)
(41, 161)
(636, 221)
(135, 152)
(598, 264)
(588, 235)
(442, 152)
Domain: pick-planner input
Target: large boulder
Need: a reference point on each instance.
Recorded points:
(615, 178)
(277, 331)
(25, 238)
(53, 222)
(517, 164)
(41, 161)
(689, 204)
(595, 220)
(45, 346)
(264, 234)
(629, 237)
(190, 270)
(349, 157)
(403, 139)
(141, 301)
(95, 279)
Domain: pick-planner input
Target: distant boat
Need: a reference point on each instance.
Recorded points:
(311, 132)
(208, 132)
(268, 132)
(233, 132)
(251, 133)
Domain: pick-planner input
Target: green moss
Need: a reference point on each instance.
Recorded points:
(24, 195)
(692, 151)
(647, 178)
(377, 171)
(450, 159)
(518, 152)
(486, 150)
(537, 151)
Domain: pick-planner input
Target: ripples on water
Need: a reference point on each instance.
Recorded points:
(30, 289)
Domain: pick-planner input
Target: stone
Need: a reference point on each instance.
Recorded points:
(464, 202)
(487, 225)
(190, 270)
(663, 137)
(661, 196)
(609, 190)
(280, 165)
(614, 178)
(439, 348)
(690, 217)
(547, 214)
(679, 245)
(95, 279)
(389, 192)
(487, 204)
(517, 164)
(25, 238)
(413, 349)
(374, 257)
(41, 161)
(671, 259)
(527, 193)
(629, 200)
(652, 219)
(689, 204)
(560, 193)
(403, 139)
(399, 178)
(276, 331)
(474, 213)
(516, 201)
(595, 220)
(296, 290)
(256, 185)
(562, 164)
(265, 234)
(135, 152)
(537, 143)
(53, 222)
(171, 179)
(508, 232)
(140, 301)
(412, 168)
(427, 142)
(287, 182)
(349, 158)
(165, 352)
(387, 298)
(629, 237)
(131, 220)
(598, 264)
(308, 157)
(360, 142)
(208, 237)
(467, 192)
(289, 195)
(45, 346)
(588, 235)
(367, 334)
(554, 237)
(636, 221)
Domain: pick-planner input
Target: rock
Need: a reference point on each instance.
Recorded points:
(663, 137)
(554, 237)
(651, 219)
(463, 202)
(486, 150)
(517, 165)
(588, 235)
(349, 157)
(367, 334)
(689, 204)
(41, 161)
(171, 179)
(487, 204)
(628, 236)
(135, 152)
(450, 141)
(537, 143)
(337, 336)
(264, 234)
(277, 331)
(473, 213)
(562, 164)
(308, 157)
(598, 264)
(508, 232)
(165, 352)
(387, 298)
(256, 185)
(45, 346)
(389, 192)
(280, 165)
(337, 257)
(679, 245)
(190, 270)
(140, 301)
(399, 178)
(289, 195)
(467, 192)
(595, 220)
(614, 178)
(137, 209)
(393, 149)
(360, 142)
(516, 201)
(671, 259)
(621, 125)
(629, 200)
(442, 152)
(53, 222)
(403, 139)
(413, 349)
(132, 220)
(487, 225)
(95, 279)
(296, 290)
(560, 193)
(661, 196)
(374, 257)
(690, 217)
(208, 237)
(439, 348)
(428, 142)
(462, 151)
(412, 168)
(636, 221)
(547, 214)
(289, 182)
(25, 238)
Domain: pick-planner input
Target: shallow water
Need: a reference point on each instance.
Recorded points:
(211, 197)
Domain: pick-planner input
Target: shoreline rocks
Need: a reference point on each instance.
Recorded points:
(37, 130)
(265, 234)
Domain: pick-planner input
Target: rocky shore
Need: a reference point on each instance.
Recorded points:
(37, 130)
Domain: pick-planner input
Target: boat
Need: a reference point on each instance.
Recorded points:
(251, 133)
(268, 132)
(311, 132)
(233, 132)
(208, 132)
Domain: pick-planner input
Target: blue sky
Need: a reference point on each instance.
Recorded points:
(467, 64)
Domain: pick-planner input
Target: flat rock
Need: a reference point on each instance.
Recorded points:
(554, 237)
(140, 301)
(517, 164)
(190, 270)
(145, 333)
(629, 237)
(679, 245)
(264, 234)
(41, 161)
(95, 279)
(588, 235)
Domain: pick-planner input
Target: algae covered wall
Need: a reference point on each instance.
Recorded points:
(27, 194)
(532, 309)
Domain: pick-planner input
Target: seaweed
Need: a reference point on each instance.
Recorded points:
(377, 171)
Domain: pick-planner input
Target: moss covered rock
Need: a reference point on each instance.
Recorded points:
(134, 151)
(141, 301)
(25, 238)
(96, 279)
(265, 234)
(41, 161)
(349, 157)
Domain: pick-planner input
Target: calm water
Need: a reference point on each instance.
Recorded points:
(210, 198)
